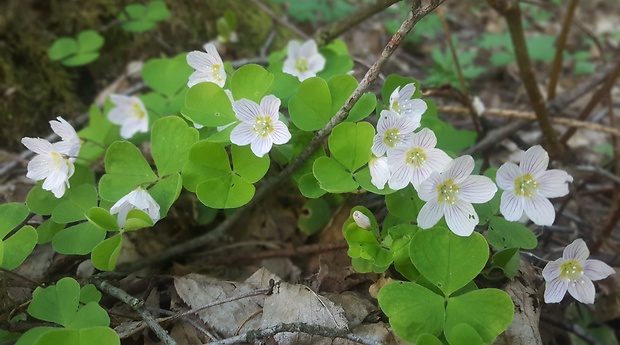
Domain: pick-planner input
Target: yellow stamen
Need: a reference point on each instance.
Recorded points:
(448, 192)
(526, 186)
(416, 157)
(263, 126)
(571, 270)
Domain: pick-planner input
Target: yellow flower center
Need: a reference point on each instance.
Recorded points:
(215, 72)
(571, 270)
(396, 106)
(392, 137)
(137, 111)
(448, 192)
(57, 160)
(526, 186)
(263, 126)
(416, 157)
(301, 64)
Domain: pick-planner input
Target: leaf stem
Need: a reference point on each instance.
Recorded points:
(559, 49)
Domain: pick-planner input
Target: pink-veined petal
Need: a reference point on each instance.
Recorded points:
(414, 108)
(243, 134)
(459, 169)
(425, 138)
(511, 206)
(430, 214)
(506, 176)
(270, 105)
(378, 146)
(420, 175)
(38, 145)
(553, 183)
(437, 160)
(461, 217)
(552, 270)
(394, 96)
(597, 270)
(406, 92)
(477, 189)
(582, 290)
(535, 161)
(280, 134)
(578, 250)
(540, 210)
(198, 60)
(555, 290)
(246, 110)
(428, 189)
(261, 146)
(400, 176)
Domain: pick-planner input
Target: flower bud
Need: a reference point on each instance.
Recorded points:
(361, 220)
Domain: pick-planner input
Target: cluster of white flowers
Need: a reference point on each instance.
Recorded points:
(54, 162)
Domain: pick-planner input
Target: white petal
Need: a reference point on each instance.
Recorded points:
(378, 146)
(535, 160)
(261, 146)
(361, 220)
(430, 214)
(54, 179)
(246, 110)
(213, 54)
(243, 134)
(316, 63)
(437, 160)
(280, 134)
(293, 49)
(122, 210)
(428, 188)
(121, 100)
(130, 127)
(420, 175)
(270, 105)
(540, 210)
(406, 92)
(38, 145)
(461, 218)
(414, 108)
(39, 167)
(424, 138)
(118, 115)
(511, 206)
(198, 77)
(506, 176)
(578, 250)
(400, 177)
(63, 129)
(553, 183)
(477, 189)
(597, 270)
(308, 48)
(552, 270)
(199, 61)
(379, 171)
(119, 204)
(582, 290)
(289, 68)
(555, 290)
(459, 169)
(394, 96)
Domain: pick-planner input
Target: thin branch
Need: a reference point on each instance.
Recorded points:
(279, 20)
(215, 235)
(138, 306)
(511, 11)
(559, 49)
(573, 328)
(328, 33)
(17, 275)
(253, 336)
(530, 116)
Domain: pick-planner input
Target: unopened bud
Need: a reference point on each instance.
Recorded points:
(361, 220)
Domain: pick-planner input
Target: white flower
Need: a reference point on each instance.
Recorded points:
(574, 273)
(478, 106)
(401, 103)
(379, 171)
(209, 66)
(139, 199)
(129, 112)
(392, 131)
(70, 143)
(303, 60)
(361, 220)
(50, 164)
(528, 186)
(260, 126)
(451, 193)
(413, 163)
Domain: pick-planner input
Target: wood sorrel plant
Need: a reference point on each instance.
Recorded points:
(213, 131)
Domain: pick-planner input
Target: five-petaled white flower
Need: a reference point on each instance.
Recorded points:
(54, 162)
(573, 272)
(451, 193)
(303, 60)
(260, 126)
(209, 66)
(129, 112)
(414, 162)
(139, 199)
(392, 131)
(528, 186)
(379, 171)
(401, 103)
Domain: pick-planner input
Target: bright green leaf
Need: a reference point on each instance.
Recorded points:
(206, 161)
(166, 191)
(105, 254)
(404, 203)
(76, 204)
(103, 219)
(310, 108)
(171, 140)
(340, 88)
(463, 334)
(18, 247)
(57, 303)
(79, 239)
(207, 104)
(167, 76)
(350, 144)
(11, 215)
(247, 165)
(508, 260)
(315, 215)
(229, 191)
(47, 230)
(506, 234)
(332, 176)
(363, 107)
(252, 82)
(137, 219)
(89, 41)
(62, 48)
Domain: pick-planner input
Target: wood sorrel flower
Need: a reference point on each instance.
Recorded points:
(260, 126)
(416, 160)
(402, 104)
(303, 60)
(451, 193)
(528, 186)
(573, 272)
(392, 131)
(361, 220)
(139, 199)
(208, 66)
(129, 112)
(54, 162)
